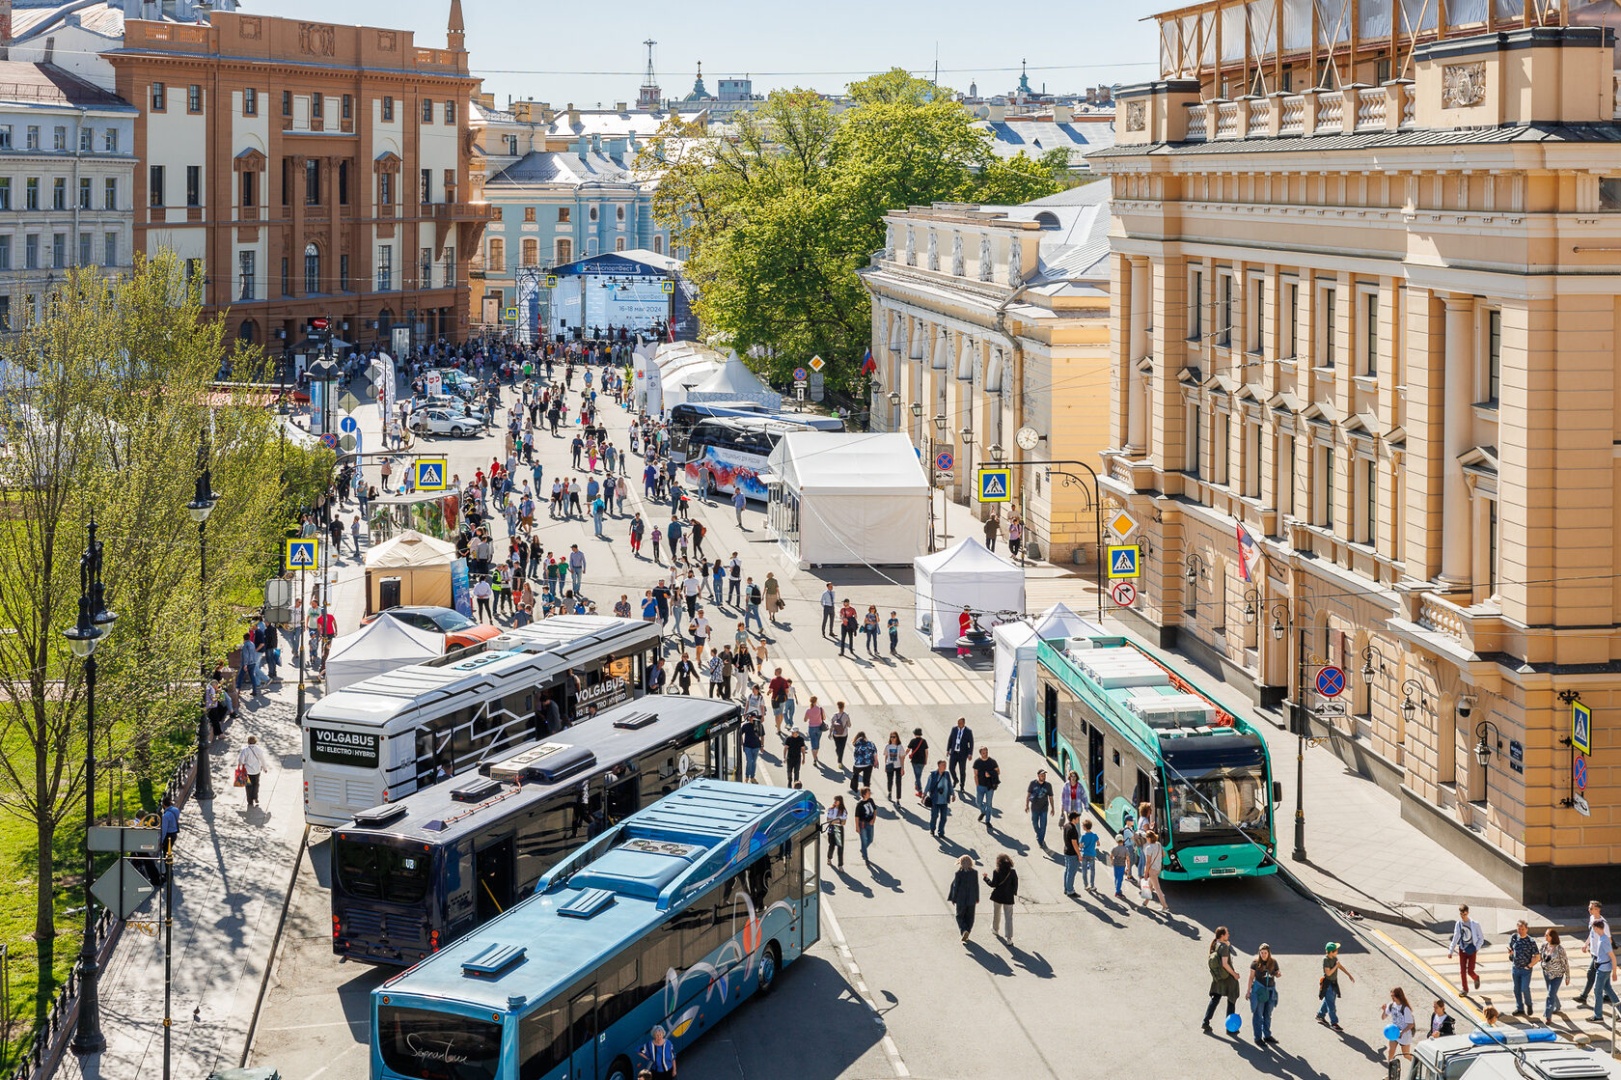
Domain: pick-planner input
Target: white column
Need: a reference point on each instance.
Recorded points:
(1457, 523)
(1136, 393)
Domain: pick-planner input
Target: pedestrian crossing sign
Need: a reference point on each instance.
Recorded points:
(1581, 728)
(1125, 561)
(995, 485)
(512, 313)
(551, 281)
(431, 473)
(302, 554)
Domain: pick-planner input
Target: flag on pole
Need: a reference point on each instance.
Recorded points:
(868, 364)
(1249, 554)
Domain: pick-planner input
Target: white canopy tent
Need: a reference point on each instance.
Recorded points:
(1013, 688)
(967, 575)
(682, 367)
(381, 645)
(735, 382)
(840, 498)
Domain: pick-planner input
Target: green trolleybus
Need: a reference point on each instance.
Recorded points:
(1138, 733)
(674, 917)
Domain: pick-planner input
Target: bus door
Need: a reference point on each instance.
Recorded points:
(725, 754)
(1094, 761)
(1049, 717)
(492, 867)
(582, 1026)
(810, 890)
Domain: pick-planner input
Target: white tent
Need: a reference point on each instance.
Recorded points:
(381, 645)
(965, 575)
(682, 367)
(1013, 688)
(847, 498)
(735, 382)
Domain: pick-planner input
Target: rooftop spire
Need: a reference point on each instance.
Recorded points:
(650, 95)
(456, 29)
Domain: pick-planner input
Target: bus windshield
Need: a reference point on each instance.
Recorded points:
(388, 872)
(427, 1045)
(1212, 807)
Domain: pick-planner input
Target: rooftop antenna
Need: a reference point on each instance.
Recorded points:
(937, 63)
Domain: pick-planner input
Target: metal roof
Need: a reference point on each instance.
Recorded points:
(1531, 134)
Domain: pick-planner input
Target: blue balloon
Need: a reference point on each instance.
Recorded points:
(1234, 1022)
(1392, 1032)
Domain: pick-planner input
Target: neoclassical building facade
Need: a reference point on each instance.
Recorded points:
(989, 319)
(1365, 285)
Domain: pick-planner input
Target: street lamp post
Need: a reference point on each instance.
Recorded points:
(94, 622)
(1282, 617)
(201, 505)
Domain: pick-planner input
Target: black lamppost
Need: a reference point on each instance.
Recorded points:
(94, 623)
(1299, 720)
(201, 505)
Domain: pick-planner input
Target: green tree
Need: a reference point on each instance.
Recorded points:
(1019, 179)
(780, 214)
(105, 402)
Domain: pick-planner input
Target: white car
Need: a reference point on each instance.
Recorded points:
(454, 406)
(443, 422)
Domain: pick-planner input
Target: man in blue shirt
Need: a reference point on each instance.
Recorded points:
(738, 499)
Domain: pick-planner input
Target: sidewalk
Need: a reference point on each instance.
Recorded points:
(232, 875)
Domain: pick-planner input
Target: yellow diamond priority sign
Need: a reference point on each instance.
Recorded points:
(1121, 524)
(817, 363)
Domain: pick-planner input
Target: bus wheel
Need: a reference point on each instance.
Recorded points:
(620, 1070)
(770, 961)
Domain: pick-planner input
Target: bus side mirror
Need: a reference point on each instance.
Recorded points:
(1277, 791)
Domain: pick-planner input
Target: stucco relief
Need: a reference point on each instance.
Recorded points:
(1136, 115)
(387, 41)
(956, 254)
(1015, 263)
(934, 251)
(1463, 85)
(911, 247)
(249, 27)
(317, 38)
(985, 263)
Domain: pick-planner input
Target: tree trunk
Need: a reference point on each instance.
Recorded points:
(45, 906)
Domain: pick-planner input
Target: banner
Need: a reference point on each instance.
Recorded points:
(461, 588)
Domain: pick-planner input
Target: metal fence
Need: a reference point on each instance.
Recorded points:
(51, 1038)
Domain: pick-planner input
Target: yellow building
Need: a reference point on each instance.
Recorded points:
(1365, 289)
(991, 319)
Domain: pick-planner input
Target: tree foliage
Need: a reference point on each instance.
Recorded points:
(109, 407)
(780, 214)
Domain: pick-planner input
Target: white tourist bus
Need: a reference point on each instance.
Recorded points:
(389, 735)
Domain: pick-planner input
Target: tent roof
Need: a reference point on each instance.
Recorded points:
(969, 556)
(1059, 621)
(387, 639)
(733, 377)
(410, 549)
(850, 463)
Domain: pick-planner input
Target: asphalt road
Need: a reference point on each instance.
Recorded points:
(1088, 987)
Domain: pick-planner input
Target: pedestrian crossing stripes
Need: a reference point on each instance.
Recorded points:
(898, 683)
(1497, 990)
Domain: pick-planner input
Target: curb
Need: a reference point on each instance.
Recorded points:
(1350, 913)
(275, 948)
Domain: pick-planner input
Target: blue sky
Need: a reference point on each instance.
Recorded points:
(591, 52)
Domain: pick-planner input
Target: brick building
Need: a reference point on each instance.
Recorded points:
(306, 169)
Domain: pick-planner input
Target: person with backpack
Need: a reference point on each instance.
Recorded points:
(1223, 979)
(917, 752)
(752, 611)
(864, 755)
(753, 740)
(1467, 939)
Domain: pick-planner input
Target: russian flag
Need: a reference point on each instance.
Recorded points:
(868, 364)
(1249, 554)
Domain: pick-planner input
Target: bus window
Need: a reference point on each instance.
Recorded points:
(623, 791)
(381, 872)
(617, 993)
(541, 1046)
(427, 1045)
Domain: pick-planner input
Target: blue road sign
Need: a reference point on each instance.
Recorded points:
(1581, 728)
(1578, 773)
(302, 554)
(800, 374)
(431, 474)
(1330, 681)
(1125, 561)
(944, 461)
(349, 425)
(995, 485)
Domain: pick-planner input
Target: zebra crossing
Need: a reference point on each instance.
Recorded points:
(898, 682)
(1497, 990)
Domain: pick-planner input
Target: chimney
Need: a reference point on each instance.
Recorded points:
(487, 100)
(523, 111)
(997, 114)
(580, 147)
(596, 144)
(619, 107)
(573, 116)
(5, 21)
(1061, 114)
(616, 148)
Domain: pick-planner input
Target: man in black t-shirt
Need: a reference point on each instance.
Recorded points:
(793, 753)
(987, 777)
(866, 817)
(1072, 852)
(1037, 798)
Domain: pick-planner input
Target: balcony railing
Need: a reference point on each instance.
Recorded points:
(1315, 112)
(462, 211)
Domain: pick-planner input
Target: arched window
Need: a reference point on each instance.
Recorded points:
(1047, 220)
(565, 252)
(312, 269)
(245, 331)
(531, 252)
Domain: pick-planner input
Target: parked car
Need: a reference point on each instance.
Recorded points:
(459, 630)
(453, 405)
(444, 422)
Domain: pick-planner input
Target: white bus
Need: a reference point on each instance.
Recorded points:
(389, 735)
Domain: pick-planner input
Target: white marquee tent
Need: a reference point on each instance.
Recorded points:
(1013, 689)
(682, 367)
(381, 645)
(842, 498)
(735, 382)
(967, 574)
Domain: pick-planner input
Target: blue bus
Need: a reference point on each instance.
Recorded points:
(674, 917)
(411, 876)
(1137, 733)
